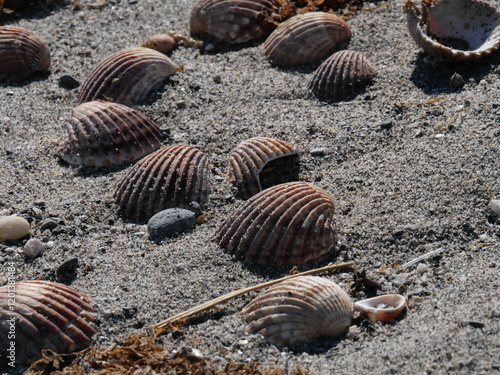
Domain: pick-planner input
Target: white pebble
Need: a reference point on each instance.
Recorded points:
(13, 228)
(34, 247)
(495, 206)
(422, 267)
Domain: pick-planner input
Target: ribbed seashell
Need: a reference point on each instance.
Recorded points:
(382, 308)
(234, 21)
(162, 43)
(102, 134)
(306, 38)
(454, 30)
(171, 177)
(342, 76)
(249, 158)
(47, 315)
(127, 76)
(299, 309)
(286, 224)
(22, 53)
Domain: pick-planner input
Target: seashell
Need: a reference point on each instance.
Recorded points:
(171, 177)
(234, 21)
(102, 134)
(250, 157)
(127, 76)
(162, 43)
(13, 228)
(299, 309)
(306, 38)
(382, 308)
(43, 315)
(342, 76)
(454, 29)
(286, 224)
(22, 53)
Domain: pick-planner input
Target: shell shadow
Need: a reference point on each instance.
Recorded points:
(218, 47)
(33, 10)
(35, 77)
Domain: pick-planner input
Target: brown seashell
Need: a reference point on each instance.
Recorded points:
(172, 177)
(342, 76)
(43, 315)
(22, 53)
(234, 21)
(102, 134)
(286, 224)
(454, 30)
(299, 309)
(127, 76)
(249, 158)
(306, 38)
(162, 43)
(382, 308)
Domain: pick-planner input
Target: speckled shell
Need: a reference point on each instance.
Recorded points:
(102, 134)
(342, 76)
(299, 309)
(172, 177)
(286, 224)
(382, 308)
(249, 158)
(162, 43)
(305, 38)
(47, 315)
(441, 25)
(233, 21)
(22, 53)
(127, 76)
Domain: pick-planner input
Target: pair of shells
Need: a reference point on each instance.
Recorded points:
(454, 30)
(43, 315)
(22, 53)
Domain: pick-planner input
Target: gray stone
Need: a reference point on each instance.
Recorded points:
(169, 222)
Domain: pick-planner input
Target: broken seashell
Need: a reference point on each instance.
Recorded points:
(102, 134)
(249, 158)
(299, 309)
(13, 228)
(382, 308)
(162, 43)
(286, 224)
(342, 76)
(454, 29)
(43, 315)
(171, 177)
(306, 38)
(22, 53)
(234, 21)
(127, 76)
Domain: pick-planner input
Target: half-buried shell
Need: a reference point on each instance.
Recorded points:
(382, 308)
(171, 177)
(102, 134)
(286, 224)
(299, 309)
(43, 315)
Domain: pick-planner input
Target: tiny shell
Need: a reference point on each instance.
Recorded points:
(22, 53)
(382, 308)
(344, 75)
(171, 177)
(162, 43)
(454, 30)
(127, 76)
(249, 158)
(47, 315)
(299, 309)
(13, 228)
(286, 224)
(102, 134)
(306, 38)
(234, 21)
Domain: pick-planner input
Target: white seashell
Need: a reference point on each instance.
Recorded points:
(34, 247)
(13, 228)
(382, 308)
(495, 206)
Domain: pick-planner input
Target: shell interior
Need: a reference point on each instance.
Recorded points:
(382, 308)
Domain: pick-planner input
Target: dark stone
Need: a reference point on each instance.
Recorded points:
(68, 266)
(47, 224)
(169, 222)
(68, 82)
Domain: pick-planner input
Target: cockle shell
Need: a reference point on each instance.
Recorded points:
(13, 228)
(47, 315)
(162, 43)
(171, 177)
(249, 158)
(306, 38)
(286, 224)
(127, 76)
(342, 76)
(234, 21)
(382, 308)
(299, 309)
(454, 29)
(22, 53)
(102, 134)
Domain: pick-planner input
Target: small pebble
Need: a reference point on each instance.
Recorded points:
(422, 267)
(217, 78)
(319, 151)
(68, 82)
(399, 281)
(68, 266)
(47, 224)
(494, 205)
(457, 81)
(34, 247)
(169, 222)
(13, 228)
(386, 125)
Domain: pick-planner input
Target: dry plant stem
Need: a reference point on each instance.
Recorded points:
(186, 40)
(160, 327)
(421, 257)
